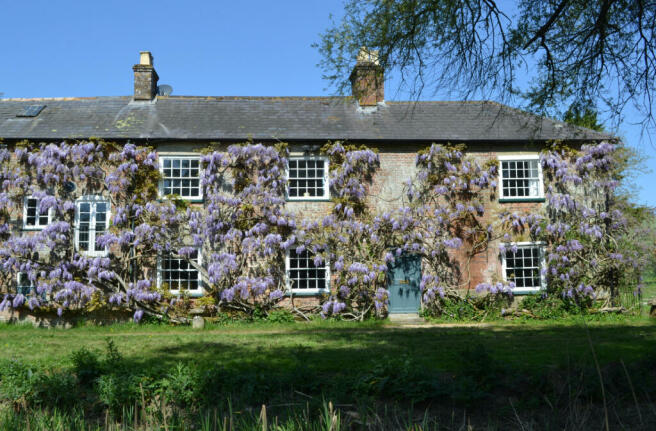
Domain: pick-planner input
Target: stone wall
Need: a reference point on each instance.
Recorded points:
(397, 165)
(386, 192)
(45, 319)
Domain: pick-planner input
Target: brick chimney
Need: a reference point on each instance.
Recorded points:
(145, 77)
(367, 78)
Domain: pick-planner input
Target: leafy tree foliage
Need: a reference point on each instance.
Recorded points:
(628, 164)
(592, 52)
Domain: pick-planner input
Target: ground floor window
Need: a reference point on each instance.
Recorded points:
(523, 264)
(303, 276)
(24, 285)
(92, 219)
(179, 275)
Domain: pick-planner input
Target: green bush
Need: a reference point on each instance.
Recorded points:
(86, 365)
(117, 391)
(24, 386)
(544, 306)
(54, 390)
(281, 316)
(400, 378)
(113, 358)
(475, 308)
(16, 380)
(182, 386)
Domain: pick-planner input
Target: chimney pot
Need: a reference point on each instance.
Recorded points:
(368, 56)
(367, 78)
(145, 77)
(145, 58)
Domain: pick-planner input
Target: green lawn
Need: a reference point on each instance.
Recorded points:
(339, 346)
(487, 373)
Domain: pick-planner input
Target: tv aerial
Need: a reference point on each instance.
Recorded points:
(164, 90)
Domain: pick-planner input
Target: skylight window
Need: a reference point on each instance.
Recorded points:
(31, 111)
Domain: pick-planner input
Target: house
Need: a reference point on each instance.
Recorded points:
(178, 126)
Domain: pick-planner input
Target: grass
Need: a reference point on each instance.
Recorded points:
(329, 347)
(537, 374)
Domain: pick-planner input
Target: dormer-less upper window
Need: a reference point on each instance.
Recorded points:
(181, 177)
(521, 178)
(33, 218)
(24, 285)
(307, 178)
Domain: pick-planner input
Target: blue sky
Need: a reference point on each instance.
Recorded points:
(217, 48)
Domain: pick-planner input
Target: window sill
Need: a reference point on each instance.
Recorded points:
(90, 255)
(527, 291)
(190, 200)
(308, 200)
(196, 294)
(308, 292)
(517, 200)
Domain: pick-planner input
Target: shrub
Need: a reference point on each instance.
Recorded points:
(182, 386)
(86, 365)
(54, 390)
(15, 382)
(116, 391)
(467, 307)
(401, 378)
(281, 316)
(551, 307)
(113, 358)
(24, 386)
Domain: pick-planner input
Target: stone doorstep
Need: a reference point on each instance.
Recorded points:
(405, 318)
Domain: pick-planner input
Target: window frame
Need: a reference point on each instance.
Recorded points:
(521, 158)
(31, 286)
(37, 226)
(543, 264)
(179, 156)
(178, 292)
(93, 200)
(289, 290)
(326, 179)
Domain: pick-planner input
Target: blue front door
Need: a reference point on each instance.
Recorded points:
(404, 277)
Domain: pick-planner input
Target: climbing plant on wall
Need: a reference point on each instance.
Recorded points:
(243, 230)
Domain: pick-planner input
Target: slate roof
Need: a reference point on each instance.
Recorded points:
(284, 118)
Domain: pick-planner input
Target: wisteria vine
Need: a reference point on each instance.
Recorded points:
(243, 230)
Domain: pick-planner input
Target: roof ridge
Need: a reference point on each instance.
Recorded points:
(444, 101)
(58, 99)
(194, 97)
(557, 122)
(254, 97)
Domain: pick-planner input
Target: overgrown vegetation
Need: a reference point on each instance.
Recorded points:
(447, 215)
